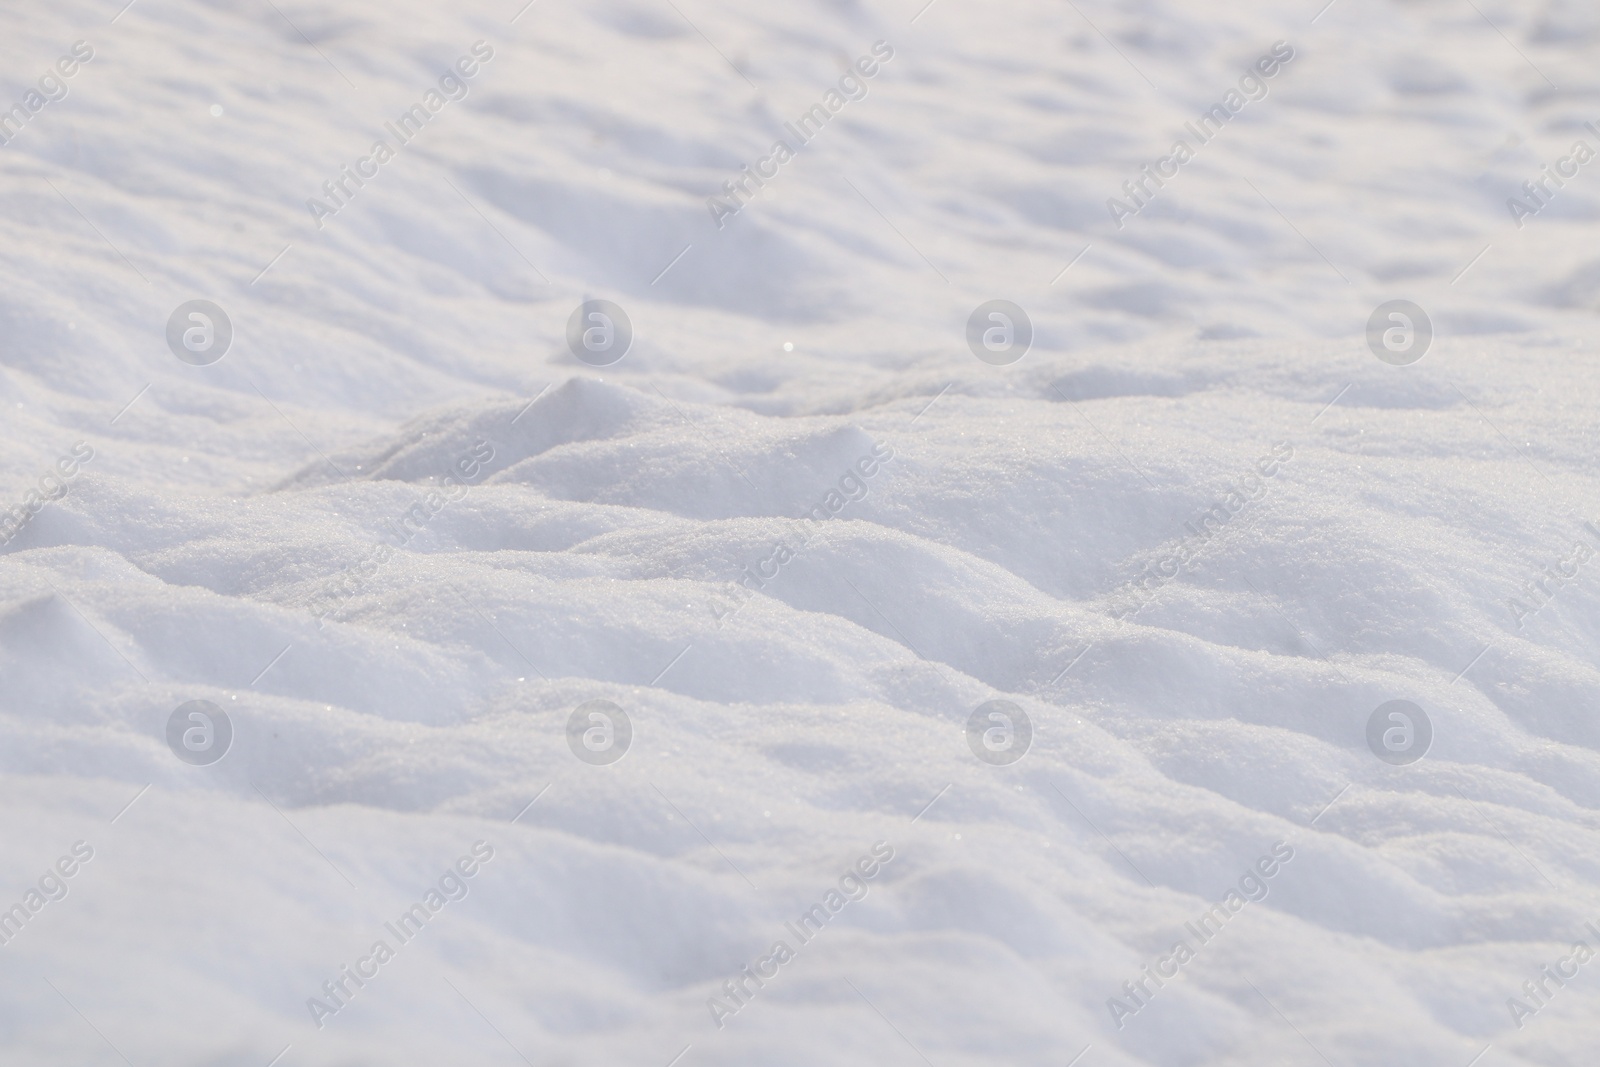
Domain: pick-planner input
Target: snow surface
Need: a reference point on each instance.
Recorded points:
(778, 735)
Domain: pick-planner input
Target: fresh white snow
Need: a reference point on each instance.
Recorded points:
(803, 534)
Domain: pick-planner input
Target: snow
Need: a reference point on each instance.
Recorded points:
(398, 533)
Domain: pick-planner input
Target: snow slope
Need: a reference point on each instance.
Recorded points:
(512, 533)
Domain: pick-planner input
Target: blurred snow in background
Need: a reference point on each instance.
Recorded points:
(398, 533)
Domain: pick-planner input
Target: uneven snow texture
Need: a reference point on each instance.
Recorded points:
(779, 734)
